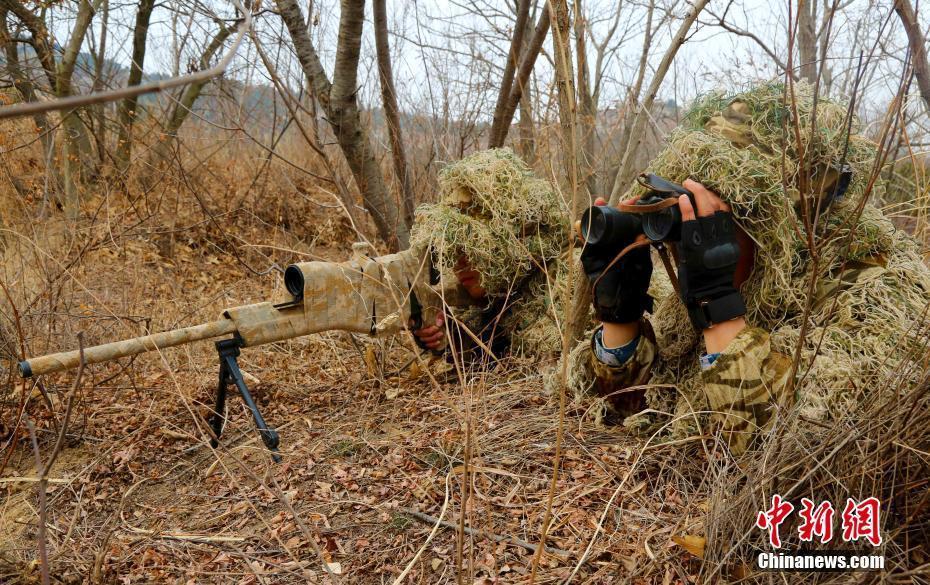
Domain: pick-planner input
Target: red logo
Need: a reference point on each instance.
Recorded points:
(772, 518)
(859, 520)
(816, 521)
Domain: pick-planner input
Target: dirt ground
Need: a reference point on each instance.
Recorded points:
(142, 496)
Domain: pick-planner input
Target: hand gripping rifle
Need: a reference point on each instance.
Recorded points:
(378, 296)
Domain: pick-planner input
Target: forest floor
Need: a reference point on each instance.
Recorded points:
(373, 481)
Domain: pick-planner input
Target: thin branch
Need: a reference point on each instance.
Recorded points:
(722, 23)
(43, 469)
(78, 101)
(426, 518)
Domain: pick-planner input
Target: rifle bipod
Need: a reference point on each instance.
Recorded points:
(228, 350)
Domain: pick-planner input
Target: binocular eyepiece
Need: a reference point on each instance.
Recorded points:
(609, 227)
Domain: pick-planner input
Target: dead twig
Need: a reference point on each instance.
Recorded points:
(43, 552)
(42, 469)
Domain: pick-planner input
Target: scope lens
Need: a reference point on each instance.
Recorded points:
(294, 280)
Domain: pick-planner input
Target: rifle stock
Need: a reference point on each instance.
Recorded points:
(376, 296)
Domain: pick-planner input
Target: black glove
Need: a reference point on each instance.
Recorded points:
(708, 254)
(619, 294)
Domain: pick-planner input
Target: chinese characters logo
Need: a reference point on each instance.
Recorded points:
(860, 520)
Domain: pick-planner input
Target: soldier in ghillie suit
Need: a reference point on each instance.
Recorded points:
(740, 156)
(499, 235)
(863, 287)
(742, 376)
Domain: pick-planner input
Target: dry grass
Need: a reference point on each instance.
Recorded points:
(137, 492)
(352, 462)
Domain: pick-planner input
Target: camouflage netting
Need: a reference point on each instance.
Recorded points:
(512, 226)
(873, 286)
(532, 323)
(493, 210)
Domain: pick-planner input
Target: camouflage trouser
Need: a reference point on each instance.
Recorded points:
(619, 386)
(743, 386)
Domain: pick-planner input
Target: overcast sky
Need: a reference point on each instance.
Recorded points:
(448, 54)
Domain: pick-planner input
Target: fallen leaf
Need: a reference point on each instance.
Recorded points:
(335, 568)
(691, 543)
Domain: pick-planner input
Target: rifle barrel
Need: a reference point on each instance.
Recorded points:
(66, 360)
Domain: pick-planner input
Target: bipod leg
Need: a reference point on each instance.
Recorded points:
(228, 350)
(218, 419)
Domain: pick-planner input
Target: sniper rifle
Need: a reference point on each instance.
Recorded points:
(377, 296)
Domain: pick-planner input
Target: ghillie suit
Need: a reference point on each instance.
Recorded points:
(513, 228)
(871, 289)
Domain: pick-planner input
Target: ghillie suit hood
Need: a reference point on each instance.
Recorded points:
(513, 228)
(494, 211)
(871, 288)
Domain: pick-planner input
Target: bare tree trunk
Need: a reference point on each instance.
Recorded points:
(127, 108)
(527, 61)
(77, 145)
(807, 40)
(626, 171)
(572, 159)
(587, 109)
(100, 130)
(338, 100)
(510, 67)
(185, 104)
(526, 141)
(826, 26)
(578, 318)
(526, 144)
(918, 45)
(568, 105)
(391, 110)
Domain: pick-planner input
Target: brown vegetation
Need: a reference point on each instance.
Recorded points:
(115, 222)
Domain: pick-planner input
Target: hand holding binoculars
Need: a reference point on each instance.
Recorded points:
(656, 215)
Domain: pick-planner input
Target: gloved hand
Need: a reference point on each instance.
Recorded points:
(707, 258)
(619, 294)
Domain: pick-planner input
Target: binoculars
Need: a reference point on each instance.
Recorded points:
(610, 227)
